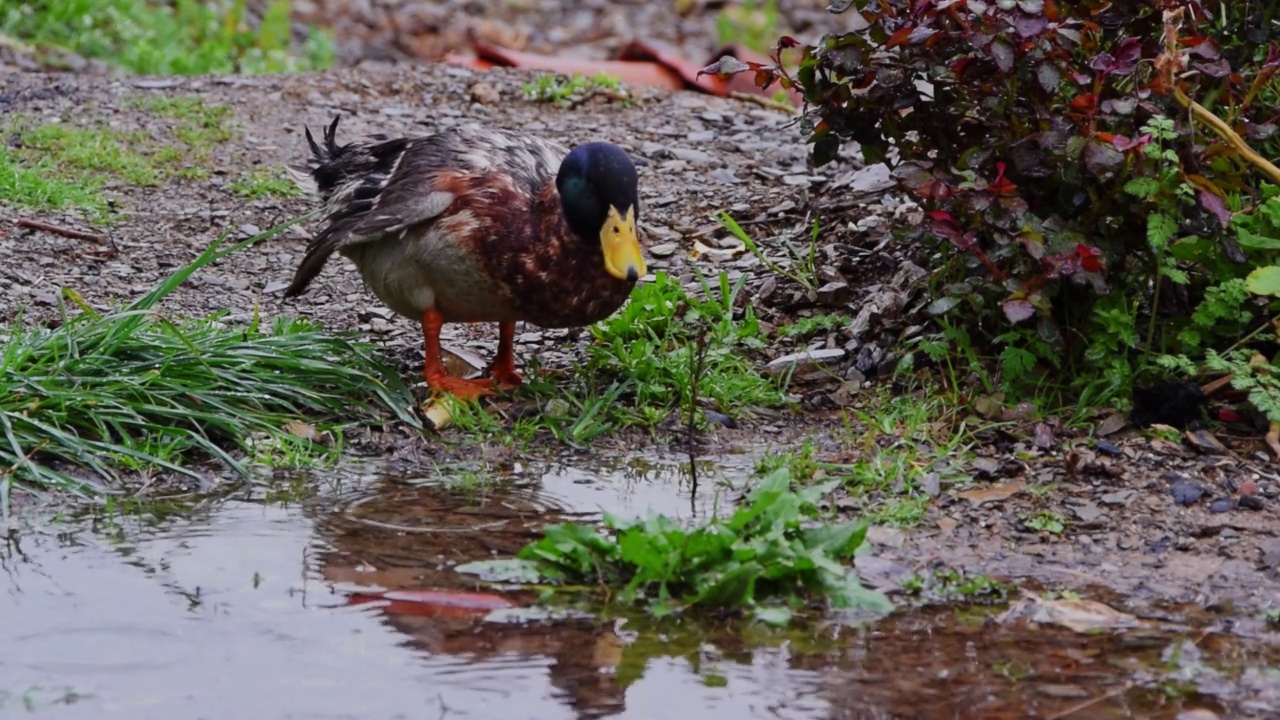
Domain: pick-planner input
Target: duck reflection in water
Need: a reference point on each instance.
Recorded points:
(407, 537)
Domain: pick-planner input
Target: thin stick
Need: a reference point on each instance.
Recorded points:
(1169, 62)
(1225, 132)
(1211, 388)
(1091, 702)
(763, 101)
(1272, 438)
(63, 231)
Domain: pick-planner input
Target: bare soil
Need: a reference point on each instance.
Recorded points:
(697, 155)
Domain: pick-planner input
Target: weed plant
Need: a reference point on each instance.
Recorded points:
(769, 557)
(642, 366)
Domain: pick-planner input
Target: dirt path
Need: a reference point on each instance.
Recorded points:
(698, 155)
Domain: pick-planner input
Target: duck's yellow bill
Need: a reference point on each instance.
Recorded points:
(621, 246)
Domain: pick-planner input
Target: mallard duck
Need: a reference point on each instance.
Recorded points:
(476, 224)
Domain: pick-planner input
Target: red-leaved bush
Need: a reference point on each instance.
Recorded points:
(1042, 137)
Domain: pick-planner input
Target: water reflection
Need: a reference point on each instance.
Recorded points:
(243, 608)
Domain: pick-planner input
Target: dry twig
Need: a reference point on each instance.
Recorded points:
(63, 231)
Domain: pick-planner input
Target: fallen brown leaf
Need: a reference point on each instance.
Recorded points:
(307, 431)
(1082, 615)
(1111, 424)
(994, 493)
(1206, 441)
(1075, 614)
(438, 413)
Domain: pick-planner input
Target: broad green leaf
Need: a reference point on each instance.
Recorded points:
(942, 305)
(1264, 281)
(839, 540)
(735, 586)
(507, 570)
(642, 550)
(851, 594)
(1258, 242)
(1271, 211)
(773, 615)
(813, 493)
(1191, 248)
(770, 489)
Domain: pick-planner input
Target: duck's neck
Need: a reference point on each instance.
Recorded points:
(556, 237)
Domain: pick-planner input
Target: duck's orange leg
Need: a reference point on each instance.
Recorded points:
(433, 367)
(503, 367)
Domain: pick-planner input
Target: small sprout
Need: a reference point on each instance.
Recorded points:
(561, 90)
(1046, 521)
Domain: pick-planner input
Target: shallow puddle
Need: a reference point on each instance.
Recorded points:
(254, 607)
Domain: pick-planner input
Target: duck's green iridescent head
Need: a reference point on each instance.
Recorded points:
(597, 185)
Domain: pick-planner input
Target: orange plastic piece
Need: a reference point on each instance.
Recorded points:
(639, 73)
(639, 62)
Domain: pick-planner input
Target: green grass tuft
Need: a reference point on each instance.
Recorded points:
(652, 343)
(94, 150)
(137, 389)
(184, 37)
(60, 165)
(889, 445)
(265, 182)
(645, 365)
(562, 90)
(33, 184)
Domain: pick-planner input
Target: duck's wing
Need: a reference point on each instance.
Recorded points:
(368, 190)
(375, 189)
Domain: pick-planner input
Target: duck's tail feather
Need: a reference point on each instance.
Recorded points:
(318, 175)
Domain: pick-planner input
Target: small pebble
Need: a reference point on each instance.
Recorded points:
(725, 176)
(932, 484)
(720, 419)
(1106, 447)
(986, 466)
(1221, 505)
(696, 157)
(1186, 493)
(1250, 502)
(1088, 513)
(663, 250)
(1119, 497)
(485, 94)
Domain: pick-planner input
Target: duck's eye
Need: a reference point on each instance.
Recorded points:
(616, 229)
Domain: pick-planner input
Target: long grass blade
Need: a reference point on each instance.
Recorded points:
(135, 389)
